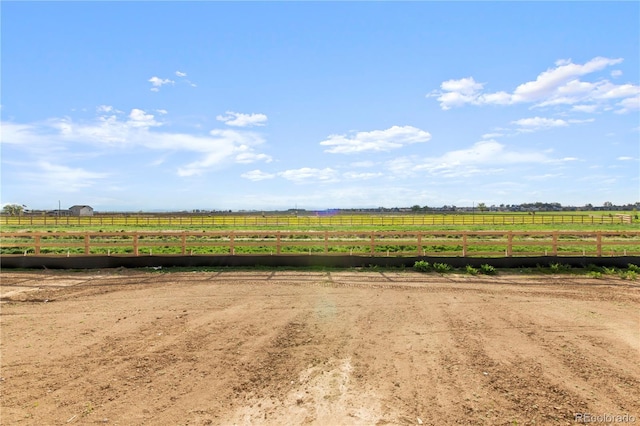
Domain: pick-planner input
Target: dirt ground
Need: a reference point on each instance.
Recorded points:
(328, 348)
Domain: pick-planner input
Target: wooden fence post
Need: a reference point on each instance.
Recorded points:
(231, 240)
(184, 242)
(555, 243)
(36, 249)
(420, 244)
(135, 244)
(86, 243)
(326, 242)
(510, 244)
(278, 245)
(464, 245)
(373, 243)
(599, 243)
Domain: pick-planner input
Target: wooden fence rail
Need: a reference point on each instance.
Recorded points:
(387, 243)
(241, 220)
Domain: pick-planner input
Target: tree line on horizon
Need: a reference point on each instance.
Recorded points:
(20, 209)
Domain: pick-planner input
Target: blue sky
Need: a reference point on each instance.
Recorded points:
(129, 106)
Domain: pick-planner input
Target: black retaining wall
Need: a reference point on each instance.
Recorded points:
(95, 261)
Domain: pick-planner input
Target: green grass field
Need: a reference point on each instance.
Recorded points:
(600, 220)
(257, 234)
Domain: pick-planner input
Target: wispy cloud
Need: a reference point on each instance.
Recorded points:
(536, 123)
(484, 157)
(257, 175)
(218, 148)
(238, 119)
(310, 175)
(360, 175)
(377, 140)
(183, 77)
(61, 178)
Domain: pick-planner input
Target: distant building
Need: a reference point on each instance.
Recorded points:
(81, 211)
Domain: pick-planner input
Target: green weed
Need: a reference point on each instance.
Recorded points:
(471, 270)
(559, 267)
(628, 275)
(422, 266)
(441, 267)
(488, 269)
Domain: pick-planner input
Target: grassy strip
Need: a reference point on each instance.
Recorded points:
(616, 227)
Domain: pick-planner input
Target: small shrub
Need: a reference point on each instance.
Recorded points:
(422, 266)
(630, 275)
(442, 267)
(487, 269)
(608, 271)
(471, 270)
(594, 274)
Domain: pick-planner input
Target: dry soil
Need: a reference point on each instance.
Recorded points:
(328, 348)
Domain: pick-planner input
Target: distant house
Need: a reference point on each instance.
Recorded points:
(81, 211)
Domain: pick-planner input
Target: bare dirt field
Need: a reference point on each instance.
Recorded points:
(329, 348)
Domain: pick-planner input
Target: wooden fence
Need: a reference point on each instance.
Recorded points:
(387, 243)
(248, 220)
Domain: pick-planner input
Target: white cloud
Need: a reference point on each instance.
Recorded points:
(584, 108)
(360, 176)
(545, 176)
(484, 157)
(139, 118)
(248, 156)
(158, 82)
(105, 109)
(257, 175)
(576, 121)
(242, 120)
(183, 76)
(616, 73)
(628, 105)
(548, 82)
(377, 140)
(538, 123)
(140, 129)
(310, 175)
(556, 86)
(492, 135)
(624, 158)
(60, 177)
(362, 164)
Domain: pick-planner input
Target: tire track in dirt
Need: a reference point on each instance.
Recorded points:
(588, 361)
(521, 390)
